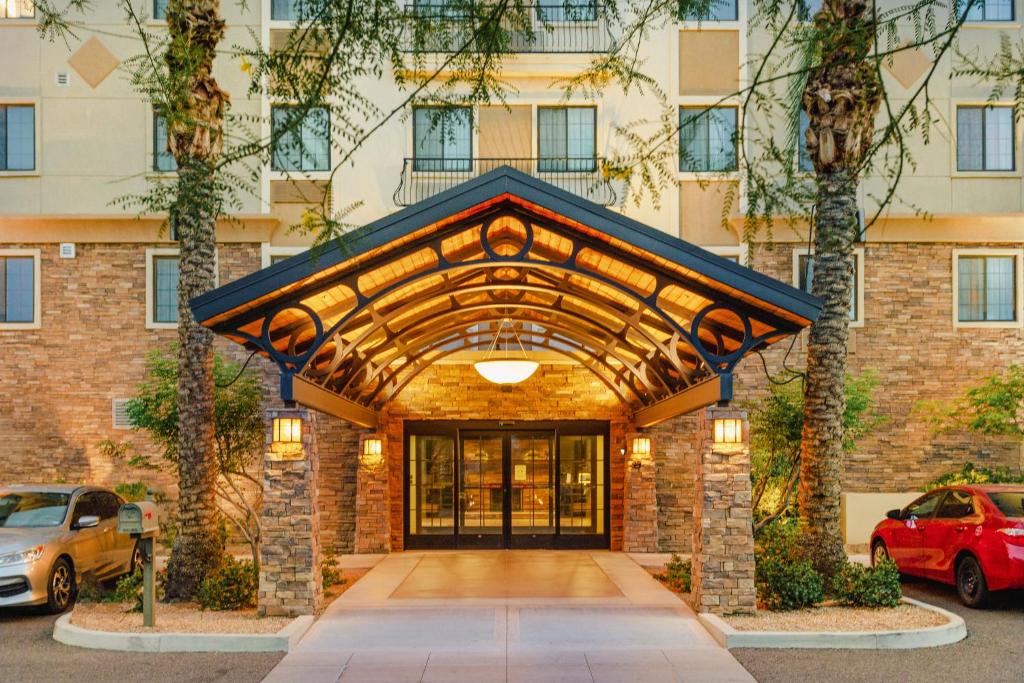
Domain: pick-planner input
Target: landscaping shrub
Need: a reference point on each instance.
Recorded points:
(231, 586)
(329, 570)
(970, 474)
(132, 492)
(676, 575)
(787, 583)
(128, 588)
(859, 586)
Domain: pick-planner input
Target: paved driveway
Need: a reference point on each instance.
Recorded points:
(508, 616)
(28, 653)
(991, 653)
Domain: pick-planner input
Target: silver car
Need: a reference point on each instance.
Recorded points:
(52, 536)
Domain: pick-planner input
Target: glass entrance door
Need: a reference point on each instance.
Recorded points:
(473, 485)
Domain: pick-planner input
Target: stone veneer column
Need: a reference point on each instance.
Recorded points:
(291, 583)
(640, 524)
(723, 538)
(373, 500)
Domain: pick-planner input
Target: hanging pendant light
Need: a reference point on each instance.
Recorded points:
(506, 370)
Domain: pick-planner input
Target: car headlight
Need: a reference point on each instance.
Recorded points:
(22, 557)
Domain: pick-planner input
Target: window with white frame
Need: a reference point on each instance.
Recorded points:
(270, 255)
(803, 277)
(301, 145)
(566, 139)
(160, 9)
(736, 254)
(707, 139)
(808, 8)
(985, 138)
(983, 11)
(987, 287)
(163, 160)
(296, 10)
(17, 137)
(17, 9)
(803, 162)
(442, 138)
(709, 10)
(19, 288)
(164, 288)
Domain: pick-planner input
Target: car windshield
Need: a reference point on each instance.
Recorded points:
(1010, 503)
(33, 509)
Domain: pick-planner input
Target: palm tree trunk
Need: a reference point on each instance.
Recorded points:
(841, 98)
(825, 384)
(195, 121)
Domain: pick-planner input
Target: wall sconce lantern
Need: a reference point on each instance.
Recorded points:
(373, 451)
(287, 430)
(286, 443)
(641, 451)
(728, 431)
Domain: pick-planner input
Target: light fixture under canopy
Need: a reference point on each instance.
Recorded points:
(506, 369)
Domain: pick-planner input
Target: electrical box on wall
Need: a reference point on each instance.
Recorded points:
(67, 250)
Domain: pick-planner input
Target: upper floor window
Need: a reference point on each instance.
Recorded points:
(442, 139)
(804, 162)
(567, 138)
(18, 283)
(440, 9)
(986, 288)
(295, 10)
(17, 137)
(808, 8)
(984, 138)
(17, 9)
(306, 146)
(989, 10)
(160, 9)
(163, 160)
(707, 139)
(567, 10)
(709, 10)
(804, 277)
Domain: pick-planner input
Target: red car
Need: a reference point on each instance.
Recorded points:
(968, 536)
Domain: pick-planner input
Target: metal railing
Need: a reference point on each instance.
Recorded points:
(423, 177)
(544, 26)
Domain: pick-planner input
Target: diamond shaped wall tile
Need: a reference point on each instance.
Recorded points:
(93, 62)
(908, 66)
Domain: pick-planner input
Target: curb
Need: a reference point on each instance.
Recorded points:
(282, 641)
(730, 638)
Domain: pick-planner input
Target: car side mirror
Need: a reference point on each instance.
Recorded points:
(894, 514)
(87, 522)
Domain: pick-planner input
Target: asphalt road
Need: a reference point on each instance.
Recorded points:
(991, 653)
(28, 653)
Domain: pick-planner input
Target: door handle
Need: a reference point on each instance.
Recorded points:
(960, 528)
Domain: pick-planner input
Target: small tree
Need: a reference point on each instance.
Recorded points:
(776, 425)
(994, 407)
(238, 434)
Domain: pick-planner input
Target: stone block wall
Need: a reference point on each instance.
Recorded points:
(291, 583)
(723, 537)
(373, 512)
(338, 444)
(640, 527)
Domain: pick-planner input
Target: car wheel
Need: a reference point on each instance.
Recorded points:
(970, 583)
(60, 586)
(879, 553)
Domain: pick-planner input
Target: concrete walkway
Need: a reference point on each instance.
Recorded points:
(508, 616)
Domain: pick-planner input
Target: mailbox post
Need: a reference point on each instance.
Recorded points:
(141, 521)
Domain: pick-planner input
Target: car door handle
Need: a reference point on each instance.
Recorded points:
(960, 528)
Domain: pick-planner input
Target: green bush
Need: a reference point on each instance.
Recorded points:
(859, 586)
(128, 588)
(329, 570)
(676, 575)
(231, 586)
(132, 492)
(970, 474)
(779, 540)
(787, 584)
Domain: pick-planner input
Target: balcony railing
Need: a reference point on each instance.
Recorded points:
(546, 26)
(582, 176)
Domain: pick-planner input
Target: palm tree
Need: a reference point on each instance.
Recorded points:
(195, 115)
(841, 98)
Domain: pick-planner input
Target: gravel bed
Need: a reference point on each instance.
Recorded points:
(173, 618)
(839, 619)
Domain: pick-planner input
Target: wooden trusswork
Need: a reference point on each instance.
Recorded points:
(661, 322)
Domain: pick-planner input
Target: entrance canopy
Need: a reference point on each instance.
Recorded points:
(660, 321)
